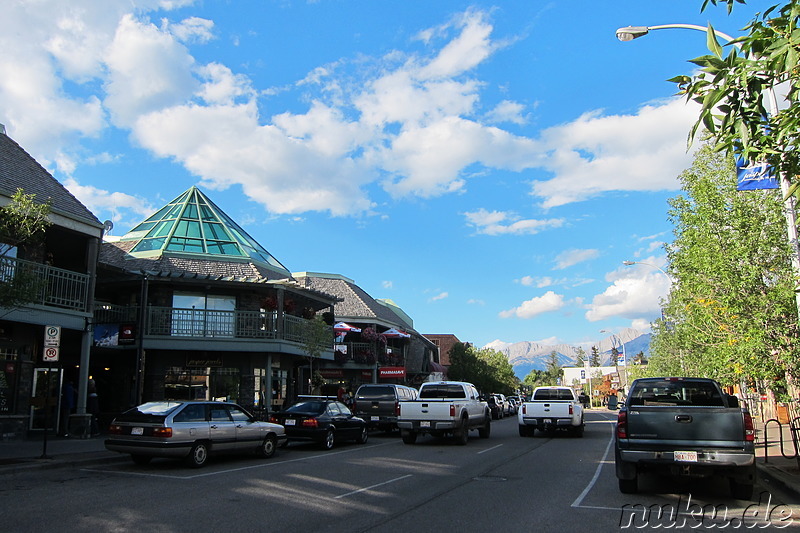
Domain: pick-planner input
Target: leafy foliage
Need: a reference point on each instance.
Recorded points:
(487, 369)
(731, 89)
(731, 313)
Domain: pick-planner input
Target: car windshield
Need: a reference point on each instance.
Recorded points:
(312, 406)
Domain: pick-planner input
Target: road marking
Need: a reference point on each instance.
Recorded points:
(490, 449)
(346, 494)
(229, 470)
(577, 502)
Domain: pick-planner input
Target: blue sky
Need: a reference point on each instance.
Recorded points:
(486, 165)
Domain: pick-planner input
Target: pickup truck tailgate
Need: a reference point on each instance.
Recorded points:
(691, 427)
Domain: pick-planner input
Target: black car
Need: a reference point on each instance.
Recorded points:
(321, 419)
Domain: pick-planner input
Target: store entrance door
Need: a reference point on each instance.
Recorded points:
(46, 399)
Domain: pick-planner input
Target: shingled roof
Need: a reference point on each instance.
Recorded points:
(356, 304)
(19, 170)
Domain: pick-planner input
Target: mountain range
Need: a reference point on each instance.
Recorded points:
(526, 356)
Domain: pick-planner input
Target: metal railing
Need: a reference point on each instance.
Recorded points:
(48, 285)
(177, 322)
(794, 427)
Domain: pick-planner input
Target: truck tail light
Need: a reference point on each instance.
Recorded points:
(524, 409)
(452, 410)
(570, 408)
(397, 408)
(749, 430)
(622, 425)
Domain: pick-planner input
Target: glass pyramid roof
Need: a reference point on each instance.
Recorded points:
(191, 224)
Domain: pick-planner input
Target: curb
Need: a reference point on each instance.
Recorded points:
(776, 477)
(59, 461)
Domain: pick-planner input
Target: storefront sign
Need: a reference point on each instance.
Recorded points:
(331, 373)
(366, 374)
(216, 362)
(392, 372)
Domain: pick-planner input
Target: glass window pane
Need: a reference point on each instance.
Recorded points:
(161, 229)
(149, 244)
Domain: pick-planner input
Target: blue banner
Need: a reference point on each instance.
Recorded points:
(754, 176)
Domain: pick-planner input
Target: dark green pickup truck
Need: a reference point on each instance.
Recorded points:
(684, 427)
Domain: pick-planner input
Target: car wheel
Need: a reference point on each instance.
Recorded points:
(141, 460)
(363, 436)
(628, 486)
(486, 429)
(198, 456)
(462, 434)
(577, 431)
(329, 440)
(740, 491)
(267, 448)
(409, 437)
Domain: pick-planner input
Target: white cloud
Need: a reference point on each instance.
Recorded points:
(387, 284)
(596, 154)
(569, 258)
(475, 301)
(507, 111)
(117, 203)
(546, 303)
(635, 293)
(440, 296)
(501, 223)
(192, 29)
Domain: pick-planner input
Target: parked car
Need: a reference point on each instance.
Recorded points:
(494, 407)
(191, 430)
(512, 405)
(321, 419)
(503, 402)
(379, 404)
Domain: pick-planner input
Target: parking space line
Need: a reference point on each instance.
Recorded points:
(577, 502)
(490, 449)
(346, 494)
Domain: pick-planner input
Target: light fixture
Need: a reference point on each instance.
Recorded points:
(629, 33)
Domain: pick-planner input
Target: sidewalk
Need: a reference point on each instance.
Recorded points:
(774, 469)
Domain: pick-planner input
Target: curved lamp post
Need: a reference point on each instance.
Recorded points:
(630, 33)
(629, 263)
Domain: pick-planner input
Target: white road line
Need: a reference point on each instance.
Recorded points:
(346, 494)
(229, 470)
(577, 502)
(490, 449)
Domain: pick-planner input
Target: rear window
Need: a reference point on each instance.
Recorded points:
(676, 393)
(553, 394)
(442, 391)
(314, 407)
(375, 393)
(149, 412)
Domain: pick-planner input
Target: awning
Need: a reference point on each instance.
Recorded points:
(436, 367)
(396, 334)
(346, 328)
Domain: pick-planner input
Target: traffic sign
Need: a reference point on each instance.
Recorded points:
(50, 354)
(52, 335)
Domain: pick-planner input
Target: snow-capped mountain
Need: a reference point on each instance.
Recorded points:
(527, 356)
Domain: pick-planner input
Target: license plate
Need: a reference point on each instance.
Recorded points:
(137, 431)
(375, 418)
(425, 424)
(289, 422)
(548, 420)
(686, 457)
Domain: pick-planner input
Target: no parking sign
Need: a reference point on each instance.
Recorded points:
(52, 340)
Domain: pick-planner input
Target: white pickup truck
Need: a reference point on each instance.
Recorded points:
(444, 408)
(549, 409)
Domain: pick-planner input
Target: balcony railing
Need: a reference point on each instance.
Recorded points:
(47, 285)
(368, 353)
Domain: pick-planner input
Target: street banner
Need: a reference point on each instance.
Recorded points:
(754, 176)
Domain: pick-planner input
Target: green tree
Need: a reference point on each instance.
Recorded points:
(731, 315)
(594, 359)
(487, 369)
(580, 357)
(553, 367)
(23, 223)
(536, 378)
(732, 86)
(315, 335)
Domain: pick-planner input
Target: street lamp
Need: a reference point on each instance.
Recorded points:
(630, 33)
(629, 263)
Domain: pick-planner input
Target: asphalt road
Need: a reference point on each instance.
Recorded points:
(504, 483)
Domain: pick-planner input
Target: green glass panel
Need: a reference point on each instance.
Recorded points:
(191, 211)
(188, 228)
(144, 226)
(179, 244)
(216, 231)
(161, 229)
(174, 212)
(207, 213)
(223, 248)
(147, 245)
(159, 214)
